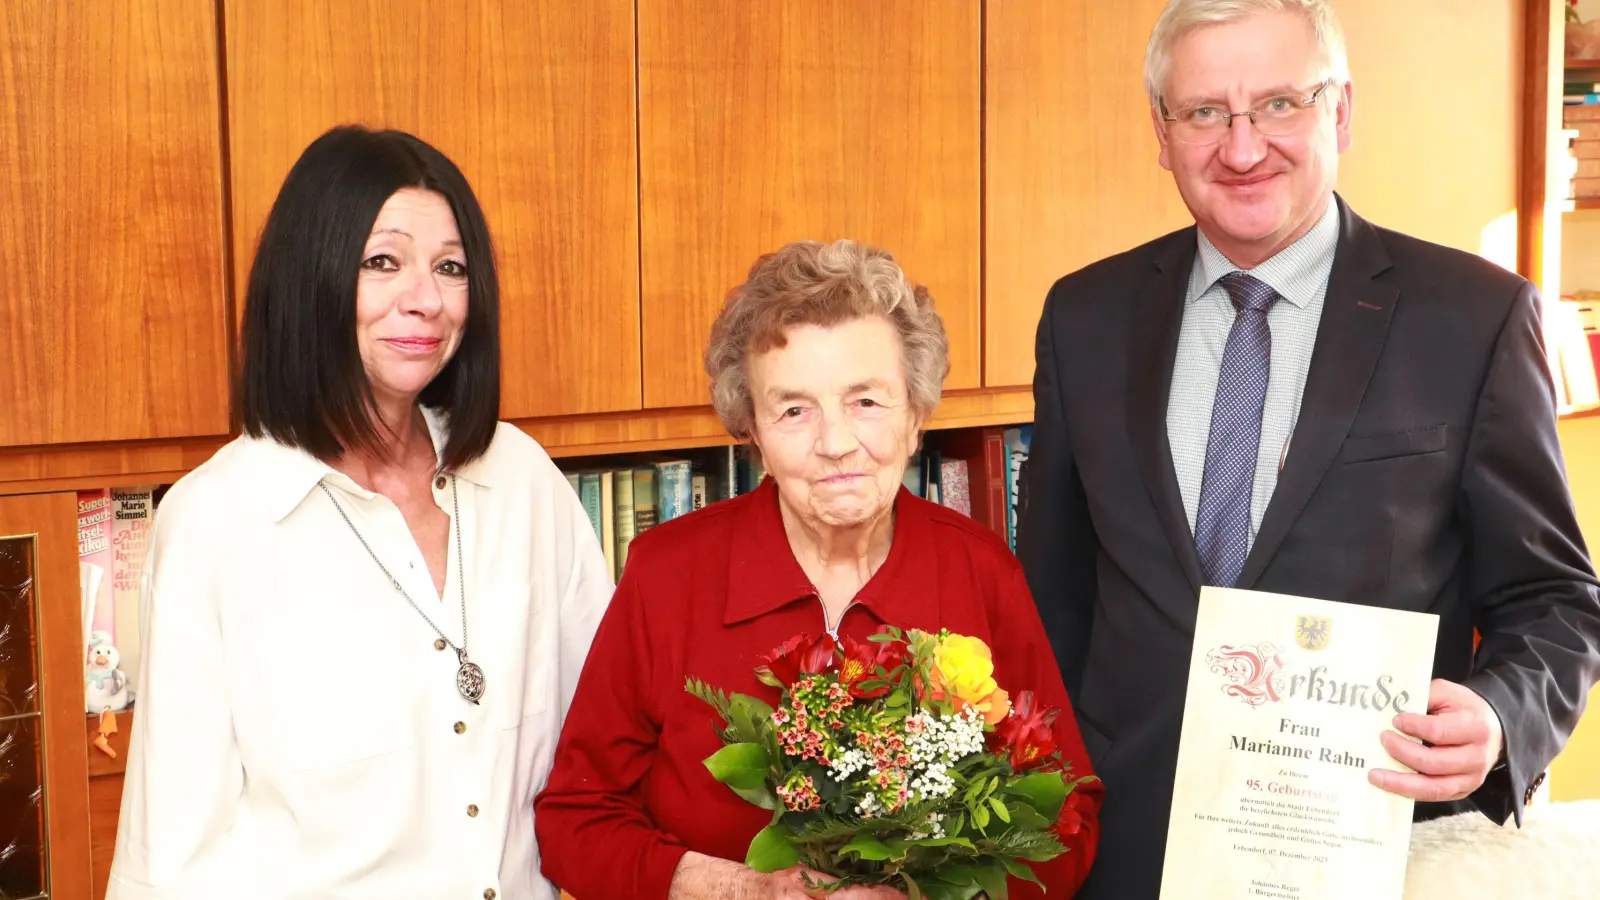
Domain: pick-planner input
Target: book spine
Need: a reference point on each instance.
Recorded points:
(644, 499)
(608, 523)
(627, 525)
(589, 495)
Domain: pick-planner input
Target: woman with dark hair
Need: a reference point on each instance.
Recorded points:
(363, 619)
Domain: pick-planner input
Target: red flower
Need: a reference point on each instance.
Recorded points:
(799, 655)
(1027, 735)
(861, 662)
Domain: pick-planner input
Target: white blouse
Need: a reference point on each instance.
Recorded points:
(298, 734)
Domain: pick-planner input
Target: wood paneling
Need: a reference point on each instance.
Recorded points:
(71, 468)
(105, 806)
(52, 521)
(105, 795)
(533, 100)
(1438, 117)
(111, 222)
(667, 429)
(1071, 172)
(763, 123)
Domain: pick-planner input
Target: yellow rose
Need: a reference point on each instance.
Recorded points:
(963, 669)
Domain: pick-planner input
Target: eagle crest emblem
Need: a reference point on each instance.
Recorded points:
(1313, 632)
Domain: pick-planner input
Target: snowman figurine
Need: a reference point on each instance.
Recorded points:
(104, 685)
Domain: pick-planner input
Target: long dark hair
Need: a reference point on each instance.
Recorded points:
(301, 380)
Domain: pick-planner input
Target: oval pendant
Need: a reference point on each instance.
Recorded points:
(469, 681)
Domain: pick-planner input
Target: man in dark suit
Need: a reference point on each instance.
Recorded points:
(1288, 398)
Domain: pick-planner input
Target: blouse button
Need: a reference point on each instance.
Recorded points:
(438, 644)
(461, 728)
(488, 894)
(472, 810)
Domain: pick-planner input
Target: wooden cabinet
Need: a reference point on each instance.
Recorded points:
(534, 100)
(763, 123)
(44, 787)
(1070, 158)
(111, 224)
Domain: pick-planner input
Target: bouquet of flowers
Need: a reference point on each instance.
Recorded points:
(896, 761)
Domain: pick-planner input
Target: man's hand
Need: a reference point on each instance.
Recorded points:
(1463, 742)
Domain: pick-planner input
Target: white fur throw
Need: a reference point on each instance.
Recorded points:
(1556, 854)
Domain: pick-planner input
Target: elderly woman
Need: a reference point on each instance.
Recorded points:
(364, 617)
(829, 362)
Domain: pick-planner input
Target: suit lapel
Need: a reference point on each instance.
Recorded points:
(1156, 318)
(1350, 336)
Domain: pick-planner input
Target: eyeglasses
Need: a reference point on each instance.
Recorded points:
(1277, 116)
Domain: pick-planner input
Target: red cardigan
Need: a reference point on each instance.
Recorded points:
(705, 596)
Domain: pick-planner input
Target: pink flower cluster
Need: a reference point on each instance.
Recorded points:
(799, 793)
(797, 734)
(890, 760)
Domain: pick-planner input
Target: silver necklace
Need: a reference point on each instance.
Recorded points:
(469, 678)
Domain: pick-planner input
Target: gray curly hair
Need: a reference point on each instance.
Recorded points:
(812, 283)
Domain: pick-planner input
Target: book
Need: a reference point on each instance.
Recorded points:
(608, 522)
(954, 493)
(645, 508)
(674, 488)
(626, 524)
(132, 516)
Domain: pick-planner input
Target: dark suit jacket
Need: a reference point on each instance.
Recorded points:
(1424, 473)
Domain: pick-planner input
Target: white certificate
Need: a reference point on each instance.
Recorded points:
(1286, 699)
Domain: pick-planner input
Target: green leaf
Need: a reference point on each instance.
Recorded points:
(771, 850)
(1025, 818)
(992, 878)
(1000, 810)
(740, 766)
(748, 715)
(1020, 870)
(941, 891)
(913, 890)
(866, 846)
(1044, 791)
(761, 796)
(980, 817)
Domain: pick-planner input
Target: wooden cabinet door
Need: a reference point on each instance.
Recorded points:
(763, 123)
(111, 225)
(533, 100)
(44, 782)
(1070, 158)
